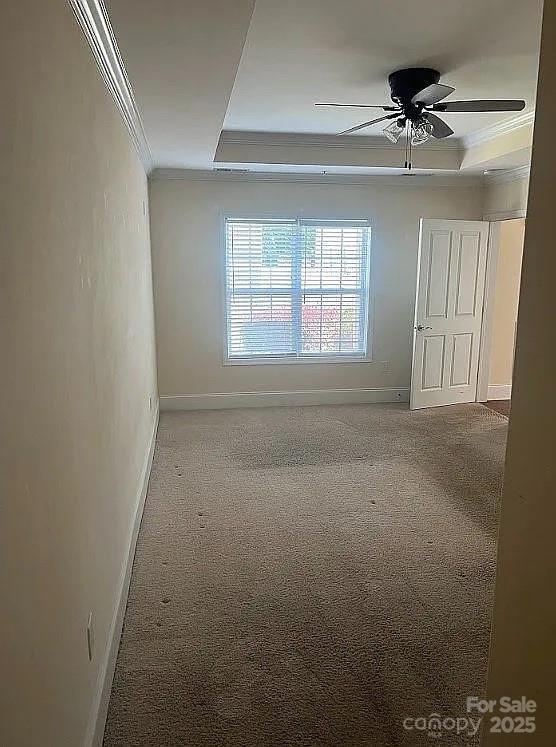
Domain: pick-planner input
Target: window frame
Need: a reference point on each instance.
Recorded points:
(281, 359)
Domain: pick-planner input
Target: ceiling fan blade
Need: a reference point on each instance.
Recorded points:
(361, 106)
(432, 94)
(439, 128)
(487, 105)
(367, 124)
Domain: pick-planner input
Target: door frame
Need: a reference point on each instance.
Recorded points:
(493, 253)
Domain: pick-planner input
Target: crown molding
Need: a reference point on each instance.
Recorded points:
(500, 128)
(505, 215)
(354, 180)
(508, 175)
(92, 17)
(303, 140)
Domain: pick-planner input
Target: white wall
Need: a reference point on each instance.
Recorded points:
(77, 370)
(522, 650)
(505, 199)
(187, 264)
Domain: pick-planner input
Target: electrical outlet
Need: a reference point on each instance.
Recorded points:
(90, 636)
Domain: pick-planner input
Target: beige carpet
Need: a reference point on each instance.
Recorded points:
(310, 576)
(503, 406)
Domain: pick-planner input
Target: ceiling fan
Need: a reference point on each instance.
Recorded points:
(417, 95)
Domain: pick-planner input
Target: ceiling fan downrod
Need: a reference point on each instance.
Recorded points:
(417, 94)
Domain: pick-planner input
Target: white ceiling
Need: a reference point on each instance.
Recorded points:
(198, 68)
(301, 51)
(181, 58)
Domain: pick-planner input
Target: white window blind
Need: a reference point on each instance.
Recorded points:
(296, 288)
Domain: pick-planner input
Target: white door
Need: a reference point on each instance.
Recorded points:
(448, 312)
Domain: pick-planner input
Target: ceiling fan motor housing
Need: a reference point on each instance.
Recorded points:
(404, 84)
(417, 94)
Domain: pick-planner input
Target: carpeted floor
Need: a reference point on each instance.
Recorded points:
(310, 577)
(503, 406)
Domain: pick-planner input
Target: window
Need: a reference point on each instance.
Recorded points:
(296, 289)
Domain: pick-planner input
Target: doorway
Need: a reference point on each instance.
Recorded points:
(466, 310)
(501, 306)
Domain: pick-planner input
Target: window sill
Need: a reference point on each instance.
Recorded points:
(316, 360)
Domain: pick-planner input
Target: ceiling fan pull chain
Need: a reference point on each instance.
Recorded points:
(408, 145)
(417, 94)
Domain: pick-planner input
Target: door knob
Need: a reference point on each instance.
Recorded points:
(420, 327)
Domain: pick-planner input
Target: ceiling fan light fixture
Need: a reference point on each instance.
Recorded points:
(395, 130)
(417, 95)
(421, 132)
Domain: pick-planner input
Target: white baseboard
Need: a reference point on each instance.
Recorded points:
(99, 710)
(224, 401)
(500, 391)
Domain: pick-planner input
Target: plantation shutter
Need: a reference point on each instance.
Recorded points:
(296, 288)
